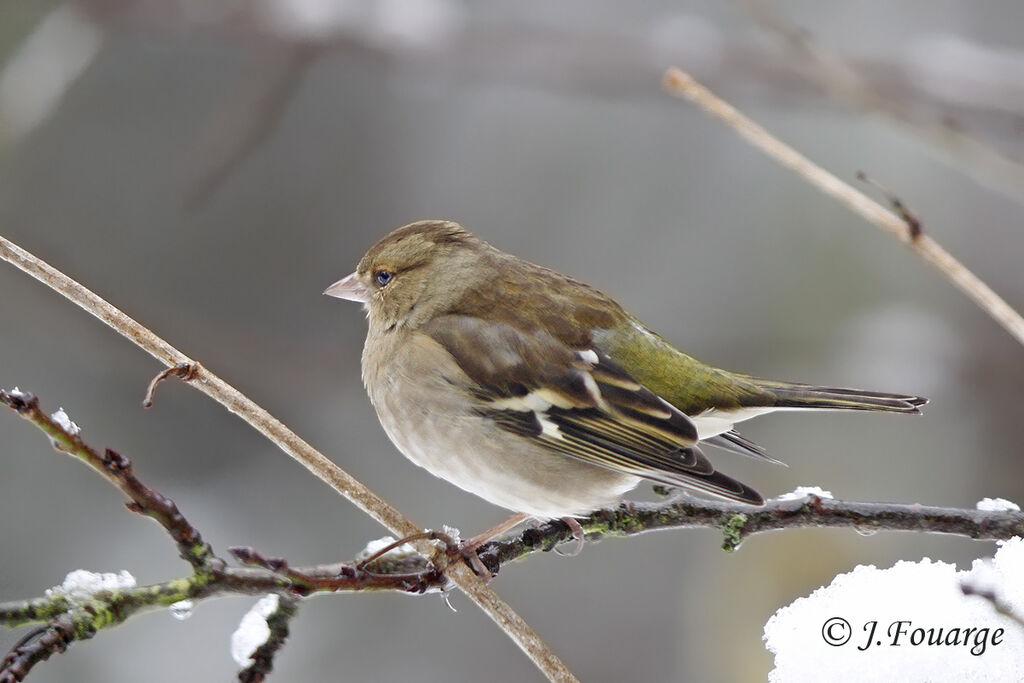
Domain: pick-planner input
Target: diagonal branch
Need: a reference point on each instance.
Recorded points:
(117, 469)
(682, 85)
(341, 481)
(844, 81)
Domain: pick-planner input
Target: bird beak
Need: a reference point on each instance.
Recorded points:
(349, 288)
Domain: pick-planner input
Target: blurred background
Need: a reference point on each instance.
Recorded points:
(210, 167)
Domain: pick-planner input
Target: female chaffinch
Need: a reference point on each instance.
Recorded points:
(539, 393)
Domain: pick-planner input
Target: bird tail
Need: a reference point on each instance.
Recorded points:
(790, 395)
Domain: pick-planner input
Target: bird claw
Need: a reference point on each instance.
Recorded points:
(578, 536)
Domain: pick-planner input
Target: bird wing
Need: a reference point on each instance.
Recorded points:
(579, 403)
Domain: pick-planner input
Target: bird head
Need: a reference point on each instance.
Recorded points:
(415, 273)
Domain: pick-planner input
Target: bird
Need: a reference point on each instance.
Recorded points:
(539, 393)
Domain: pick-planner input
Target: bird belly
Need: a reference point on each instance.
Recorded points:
(427, 416)
(474, 455)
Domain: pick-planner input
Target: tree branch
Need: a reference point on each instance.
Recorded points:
(341, 481)
(117, 469)
(35, 647)
(66, 617)
(682, 85)
(737, 522)
(69, 614)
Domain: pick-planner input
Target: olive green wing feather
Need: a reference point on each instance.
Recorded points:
(579, 403)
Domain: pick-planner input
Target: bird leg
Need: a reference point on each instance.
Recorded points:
(469, 548)
(496, 530)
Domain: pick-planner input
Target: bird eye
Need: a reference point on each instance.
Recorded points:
(383, 277)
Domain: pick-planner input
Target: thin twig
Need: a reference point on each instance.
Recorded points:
(70, 617)
(682, 85)
(837, 76)
(117, 469)
(289, 442)
(68, 620)
(911, 219)
(402, 572)
(184, 371)
(999, 604)
(37, 647)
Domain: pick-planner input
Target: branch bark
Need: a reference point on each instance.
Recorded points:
(737, 522)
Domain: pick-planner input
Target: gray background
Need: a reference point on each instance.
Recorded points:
(543, 130)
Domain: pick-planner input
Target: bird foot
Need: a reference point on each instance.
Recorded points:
(469, 548)
(465, 550)
(453, 549)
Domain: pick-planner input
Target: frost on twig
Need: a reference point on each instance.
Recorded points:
(804, 492)
(80, 585)
(996, 505)
(65, 423)
(260, 635)
(253, 630)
